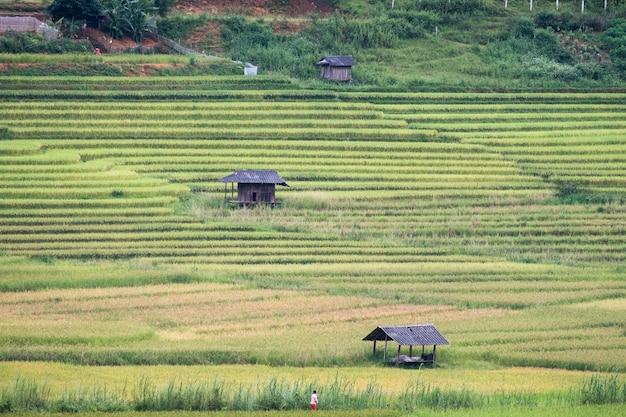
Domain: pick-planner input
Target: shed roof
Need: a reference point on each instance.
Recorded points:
(255, 176)
(412, 335)
(337, 61)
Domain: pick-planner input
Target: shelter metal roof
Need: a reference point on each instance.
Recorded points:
(412, 335)
(337, 61)
(255, 176)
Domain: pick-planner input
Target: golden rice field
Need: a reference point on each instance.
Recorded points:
(500, 218)
(394, 380)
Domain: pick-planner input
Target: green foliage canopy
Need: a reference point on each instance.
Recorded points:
(615, 41)
(75, 9)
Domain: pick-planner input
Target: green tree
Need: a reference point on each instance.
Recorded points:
(75, 9)
(614, 39)
(129, 17)
(136, 17)
(164, 6)
(114, 11)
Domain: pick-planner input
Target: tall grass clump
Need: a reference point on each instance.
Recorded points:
(24, 395)
(280, 395)
(420, 395)
(603, 389)
(275, 394)
(179, 395)
(102, 399)
(342, 395)
(5, 133)
(195, 396)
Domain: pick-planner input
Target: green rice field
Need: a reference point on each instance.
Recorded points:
(498, 217)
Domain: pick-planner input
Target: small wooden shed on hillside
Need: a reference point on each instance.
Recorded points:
(253, 186)
(411, 335)
(336, 68)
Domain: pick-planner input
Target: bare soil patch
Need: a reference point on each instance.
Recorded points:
(291, 8)
(106, 43)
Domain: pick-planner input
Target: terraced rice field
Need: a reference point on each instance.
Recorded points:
(501, 217)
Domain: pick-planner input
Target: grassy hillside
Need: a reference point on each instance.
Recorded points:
(416, 45)
(425, 45)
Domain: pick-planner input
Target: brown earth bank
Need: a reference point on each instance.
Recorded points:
(288, 8)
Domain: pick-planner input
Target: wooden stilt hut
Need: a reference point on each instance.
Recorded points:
(253, 186)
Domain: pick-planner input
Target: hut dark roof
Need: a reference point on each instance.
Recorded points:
(255, 176)
(337, 61)
(413, 335)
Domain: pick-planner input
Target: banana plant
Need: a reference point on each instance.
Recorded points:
(136, 18)
(114, 10)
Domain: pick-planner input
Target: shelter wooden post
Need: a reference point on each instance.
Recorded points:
(374, 352)
(412, 335)
(385, 354)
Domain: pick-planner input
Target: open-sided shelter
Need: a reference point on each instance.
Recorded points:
(337, 68)
(253, 186)
(411, 335)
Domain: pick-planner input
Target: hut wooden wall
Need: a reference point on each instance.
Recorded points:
(337, 73)
(254, 193)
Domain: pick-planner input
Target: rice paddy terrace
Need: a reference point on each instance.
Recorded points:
(468, 203)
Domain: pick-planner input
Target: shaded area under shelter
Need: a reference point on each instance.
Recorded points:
(409, 335)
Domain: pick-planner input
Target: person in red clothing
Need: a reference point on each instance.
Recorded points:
(314, 400)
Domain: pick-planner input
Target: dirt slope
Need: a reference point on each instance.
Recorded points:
(287, 8)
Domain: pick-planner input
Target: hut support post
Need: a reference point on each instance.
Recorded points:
(374, 352)
(385, 354)
(434, 353)
(411, 350)
(398, 357)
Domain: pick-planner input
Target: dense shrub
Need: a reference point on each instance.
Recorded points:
(548, 45)
(553, 19)
(164, 6)
(180, 26)
(614, 40)
(240, 35)
(75, 9)
(522, 28)
(78, 69)
(414, 24)
(339, 33)
(462, 7)
(603, 389)
(286, 57)
(5, 133)
(24, 42)
(615, 35)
